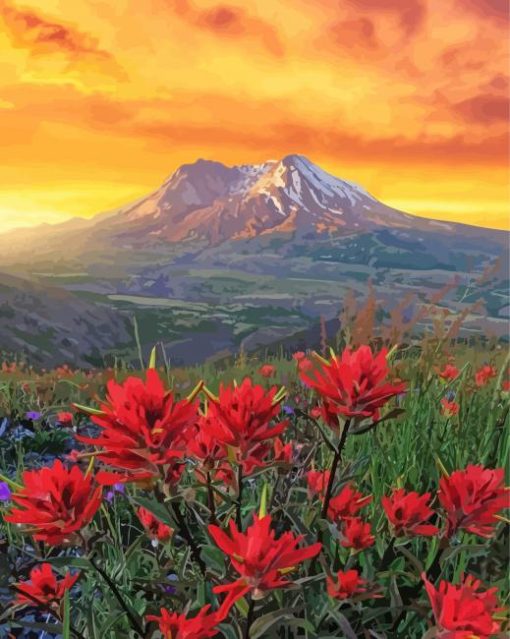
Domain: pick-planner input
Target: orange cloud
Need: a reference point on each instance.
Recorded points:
(383, 92)
(229, 21)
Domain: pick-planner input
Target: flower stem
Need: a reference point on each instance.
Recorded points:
(249, 619)
(336, 459)
(135, 624)
(210, 500)
(186, 534)
(239, 503)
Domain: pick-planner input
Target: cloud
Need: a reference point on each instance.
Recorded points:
(42, 36)
(485, 108)
(230, 22)
(492, 9)
(410, 13)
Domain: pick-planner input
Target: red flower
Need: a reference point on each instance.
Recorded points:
(240, 418)
(261, 560)
(175, 626)
(299, 356)
(409, 513)
(305, 365)
(484, 374)
(203, 445)
(345, 585)
(506, 386)
(65, 419)
(45, 588)
(267, 370)
(347, 503)
(317, 482)
(463, 611)
(449, 373)
(155, 528)
(143, 427)
(472, 498)
(356, 534)
(55, 503)
(283, 452)
(353, 384)
(449, 409)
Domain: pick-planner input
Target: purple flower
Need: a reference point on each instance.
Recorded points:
(33, 415)
(116, 488)
(288, 410)
(5, 492)
(171, 590)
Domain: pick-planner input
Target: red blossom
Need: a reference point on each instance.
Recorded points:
(463, 611)
(347, 503)
(283, 452)
(472, 498)
(299, 356)
(262, 561)
(242, 418)
(345, 585)
(506, 386)
(143, 427)
(409, 513)
(155, 528)
(175, 626)
(44, 588)
(65, 418)
(353, 384)
(317, 481)
(267, 370)
(449, 409)
(55, 503)
(484, 374)
(356, 534)
(203, 445)
(449, 373)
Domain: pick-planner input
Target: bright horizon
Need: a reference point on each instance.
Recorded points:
(101, 102)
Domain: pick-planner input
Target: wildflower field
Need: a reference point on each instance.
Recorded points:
(358, 492)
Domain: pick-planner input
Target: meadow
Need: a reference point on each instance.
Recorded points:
(354, 492)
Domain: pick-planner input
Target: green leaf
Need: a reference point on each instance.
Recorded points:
(66, 626)
(157, 509)
(214, 558)
(88, 410)
(152, 359)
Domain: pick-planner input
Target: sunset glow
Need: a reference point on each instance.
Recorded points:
(100, 100)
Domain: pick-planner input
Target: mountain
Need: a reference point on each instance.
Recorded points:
(220, 258)
(50, 326)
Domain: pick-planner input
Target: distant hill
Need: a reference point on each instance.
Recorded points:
(220, 258)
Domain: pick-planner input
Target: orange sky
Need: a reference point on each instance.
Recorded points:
(101, 99)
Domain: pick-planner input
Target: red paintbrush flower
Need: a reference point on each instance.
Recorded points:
(449, 373)
(45, 588)
(505, 386)
(409, 513)
(267, 370)
(203, 445)
(143, 427)
(156, 529)
(175, 626)
(463, 611)
(317, 482)
(353, 384)
(261, 560)
(65, 418)
(55, 503)
(345, 585)
(283, 452)
(241, 418)
(347, 503)
(356, 534)
(484, 374)
(472, 498)
(299, 356)
(449, 409)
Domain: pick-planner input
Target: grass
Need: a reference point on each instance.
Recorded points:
(411, 450)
